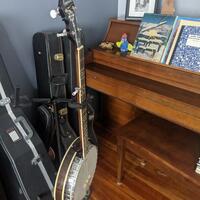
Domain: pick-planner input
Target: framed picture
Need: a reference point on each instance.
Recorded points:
(135, 9)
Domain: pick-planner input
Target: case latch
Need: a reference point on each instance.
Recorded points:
(4, 102)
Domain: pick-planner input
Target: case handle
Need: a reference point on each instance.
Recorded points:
(26, 126)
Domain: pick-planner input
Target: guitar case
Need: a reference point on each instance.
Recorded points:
(52, 81)
(26, 170)
(49, 62)
(2, 192)
(47, 49)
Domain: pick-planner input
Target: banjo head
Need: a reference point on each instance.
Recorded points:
(80, 176)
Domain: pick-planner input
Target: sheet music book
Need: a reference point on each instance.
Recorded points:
(185, 50)
(153, 36)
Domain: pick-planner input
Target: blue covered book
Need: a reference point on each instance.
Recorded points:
(153, 36)
(185, 49)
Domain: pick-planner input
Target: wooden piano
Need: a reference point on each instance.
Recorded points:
(153, 110)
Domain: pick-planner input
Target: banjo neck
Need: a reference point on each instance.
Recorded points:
(66, 9)
(81, 99)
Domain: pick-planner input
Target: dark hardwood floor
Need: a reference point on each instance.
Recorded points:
(105, 186)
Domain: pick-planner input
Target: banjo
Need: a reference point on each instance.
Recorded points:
(78, 166)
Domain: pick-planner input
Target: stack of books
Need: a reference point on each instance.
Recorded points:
(170, 40)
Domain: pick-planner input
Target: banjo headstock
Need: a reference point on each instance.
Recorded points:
(66, 10)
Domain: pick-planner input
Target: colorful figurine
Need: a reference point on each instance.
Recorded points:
(124, 45)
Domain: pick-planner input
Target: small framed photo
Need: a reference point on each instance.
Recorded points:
(135, 9)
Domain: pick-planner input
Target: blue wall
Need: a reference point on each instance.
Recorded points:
(21, 19)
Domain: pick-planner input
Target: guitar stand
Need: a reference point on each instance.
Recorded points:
(58, 125)
(44, 196)
(19, 100)
(61, 137)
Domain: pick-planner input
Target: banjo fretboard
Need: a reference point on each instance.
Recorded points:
(81, 98)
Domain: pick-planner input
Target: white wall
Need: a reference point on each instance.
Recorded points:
(121, 9)
(188, 8)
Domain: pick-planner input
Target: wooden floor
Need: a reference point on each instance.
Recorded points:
(104, 185)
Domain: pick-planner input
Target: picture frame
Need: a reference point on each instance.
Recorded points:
(135, 9)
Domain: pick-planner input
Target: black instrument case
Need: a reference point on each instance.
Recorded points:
(26, 170)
